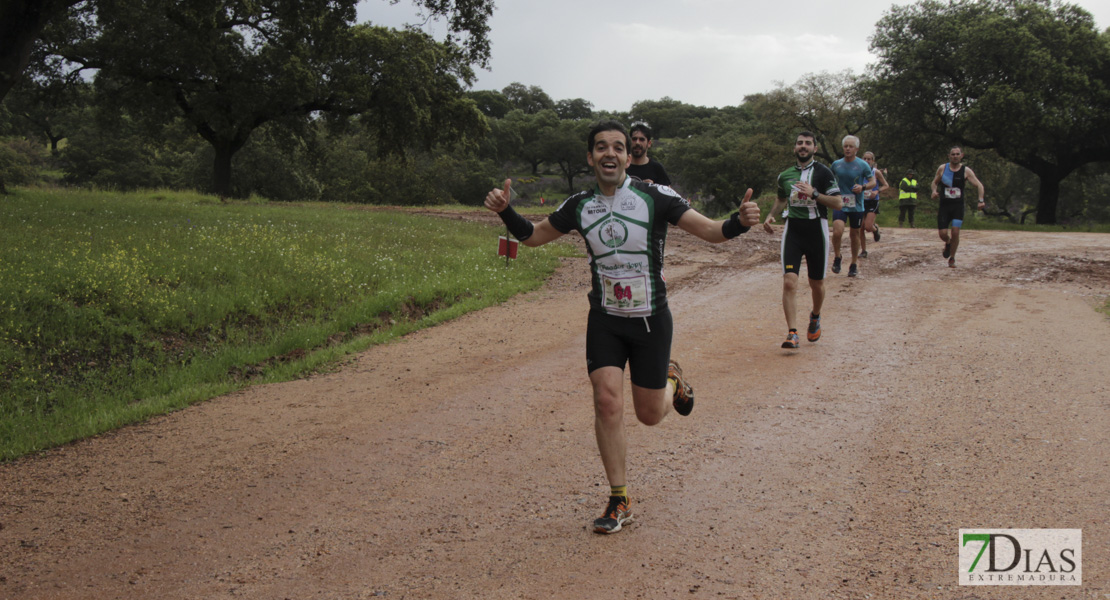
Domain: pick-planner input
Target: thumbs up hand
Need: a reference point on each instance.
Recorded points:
(498, 200)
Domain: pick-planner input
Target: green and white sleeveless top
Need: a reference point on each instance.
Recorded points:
(625, 237)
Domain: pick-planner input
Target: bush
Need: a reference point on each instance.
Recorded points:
(20, 161)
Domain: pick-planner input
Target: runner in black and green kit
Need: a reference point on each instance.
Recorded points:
(624, 223)
(809, 189)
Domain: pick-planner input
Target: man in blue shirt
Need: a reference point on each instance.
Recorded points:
(854, 176)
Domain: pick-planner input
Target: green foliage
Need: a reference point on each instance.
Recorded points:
(669, 117)
(227, 69)
(826, 104)
(574, 109)
(564, 145)
(721, 169)
(126, 158)
(530, 99)
(160, 298)
(20, 161)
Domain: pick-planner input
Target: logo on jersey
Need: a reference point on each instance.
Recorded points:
(613, 233)
(667, 190)
(628, 204)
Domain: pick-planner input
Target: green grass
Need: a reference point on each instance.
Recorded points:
(116, 307)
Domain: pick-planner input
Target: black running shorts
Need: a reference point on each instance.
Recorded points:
(853, 219)
(871, 206)
(642, 342)
(808, 238)
(948, 212)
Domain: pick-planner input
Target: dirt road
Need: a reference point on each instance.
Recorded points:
(460, 462)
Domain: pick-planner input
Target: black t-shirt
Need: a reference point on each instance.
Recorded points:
(653, 170)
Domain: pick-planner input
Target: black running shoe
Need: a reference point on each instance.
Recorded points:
(683, 399)
(616, 514)
(875, 234)
(852, 270)
(863, 254)
(836, 265)
(947, 249)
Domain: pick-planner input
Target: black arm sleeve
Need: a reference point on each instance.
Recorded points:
(732, 227)
(520, 227)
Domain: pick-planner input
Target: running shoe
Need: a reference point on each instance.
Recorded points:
(947, 249)
(616, 514)
(863, 254)
(875, 234)
(791, 340)
(852, 270)
(683, 399)
(952, 263)
(813, 333)
(836, 265)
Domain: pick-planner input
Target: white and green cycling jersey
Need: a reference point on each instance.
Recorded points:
(625, 237)
(815, 174)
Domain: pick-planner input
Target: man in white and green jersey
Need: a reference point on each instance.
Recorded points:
(624, 223)
(808, 190)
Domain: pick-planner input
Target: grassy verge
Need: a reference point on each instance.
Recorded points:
(115, 307)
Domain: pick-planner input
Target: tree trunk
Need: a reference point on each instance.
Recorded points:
(1048, 198)
(221, 168)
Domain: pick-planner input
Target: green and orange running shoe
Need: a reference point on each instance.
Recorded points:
(616, 515)
(683, 399)
(813, 333)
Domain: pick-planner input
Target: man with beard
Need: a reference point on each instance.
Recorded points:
(624, 223)
(807, 190)
(644, 167)
(951, 177)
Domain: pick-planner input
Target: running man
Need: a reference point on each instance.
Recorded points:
(871, 199)
(951, 178)
(854, 176)
(624, 223)
(807, 190)
(643, 166)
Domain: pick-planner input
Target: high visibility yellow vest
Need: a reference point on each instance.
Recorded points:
(903, 194)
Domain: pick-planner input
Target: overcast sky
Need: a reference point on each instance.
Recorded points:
(702, 52)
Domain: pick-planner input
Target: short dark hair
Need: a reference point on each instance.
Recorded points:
(607, 125)
(806, 133)
(642, 128)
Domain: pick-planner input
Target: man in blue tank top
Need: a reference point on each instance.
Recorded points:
(948, 188)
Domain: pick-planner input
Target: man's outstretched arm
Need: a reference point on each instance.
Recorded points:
(497, 200)
(716, 232)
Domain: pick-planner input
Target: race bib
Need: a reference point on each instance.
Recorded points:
(953, 193)
(624, 293)
(849, 200)
(797, 199)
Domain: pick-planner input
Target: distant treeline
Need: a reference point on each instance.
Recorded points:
(296, 101)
